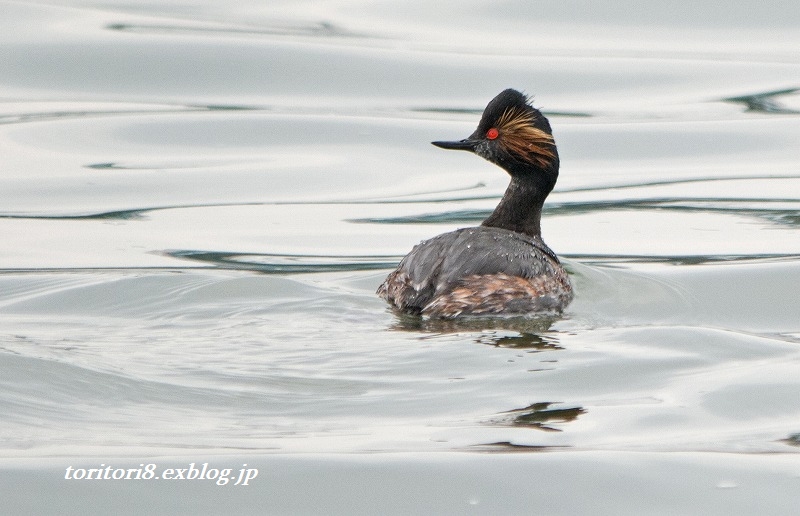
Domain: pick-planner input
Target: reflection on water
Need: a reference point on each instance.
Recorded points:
(319, 30)
(285, 264)
(540, 416)
(771, 208)
(767, 102)
(529, 341)
(793, 440)
(509, 447)
(526, 332)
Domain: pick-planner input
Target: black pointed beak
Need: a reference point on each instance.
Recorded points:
(466, 144)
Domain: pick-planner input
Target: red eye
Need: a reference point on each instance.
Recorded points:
(492, 133)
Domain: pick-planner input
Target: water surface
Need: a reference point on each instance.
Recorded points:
(199, 203)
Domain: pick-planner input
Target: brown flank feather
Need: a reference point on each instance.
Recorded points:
(492, 293)
(520, 138)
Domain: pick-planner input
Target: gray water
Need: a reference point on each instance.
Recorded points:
(199, 200)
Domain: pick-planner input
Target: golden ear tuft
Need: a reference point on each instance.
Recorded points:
(519, 137)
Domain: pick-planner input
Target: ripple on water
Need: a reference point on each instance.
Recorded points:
(190, 261)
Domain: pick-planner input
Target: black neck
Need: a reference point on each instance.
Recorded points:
(520, 209)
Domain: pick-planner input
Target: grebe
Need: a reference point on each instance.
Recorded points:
(503, 266)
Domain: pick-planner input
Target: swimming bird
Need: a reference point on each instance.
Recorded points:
(502, 267)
